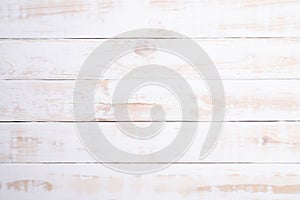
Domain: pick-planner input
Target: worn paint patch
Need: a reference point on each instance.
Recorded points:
(253, 188)
(29, 185)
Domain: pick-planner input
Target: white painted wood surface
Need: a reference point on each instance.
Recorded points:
(240, 58)
(255, 46)
(239, 142)
(180, 181)
(106, 18)
(245, 100)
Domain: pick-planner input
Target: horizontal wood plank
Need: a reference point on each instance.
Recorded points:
(245, 100)
(232, 181)
(234, 58)
(106, 18)
(239, 142)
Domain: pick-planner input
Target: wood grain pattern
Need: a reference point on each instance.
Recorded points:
(234, 181)
(239, 142)
(234, 58)
(245, 100)
(105, 18)
(255, 46)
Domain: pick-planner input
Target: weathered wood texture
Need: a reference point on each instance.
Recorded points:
(245, 100)
(239, 142)
(106, 18)
(234, 58)
(255, 46)
(180, 181)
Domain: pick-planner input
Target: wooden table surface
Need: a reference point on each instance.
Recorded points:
(255, 46)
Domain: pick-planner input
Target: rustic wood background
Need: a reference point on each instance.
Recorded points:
(254, 44)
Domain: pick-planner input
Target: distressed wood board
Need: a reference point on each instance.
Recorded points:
(269, 58)
(255, 47)
(106, 18)
(180, 181)
(46, 142)
(246, 100)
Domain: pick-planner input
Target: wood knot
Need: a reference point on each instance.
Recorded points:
(145, 49)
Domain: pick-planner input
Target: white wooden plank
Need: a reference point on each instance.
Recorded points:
(239, 142)
(234, 58)
(245, 100)
(253, 182)
(106, 18)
